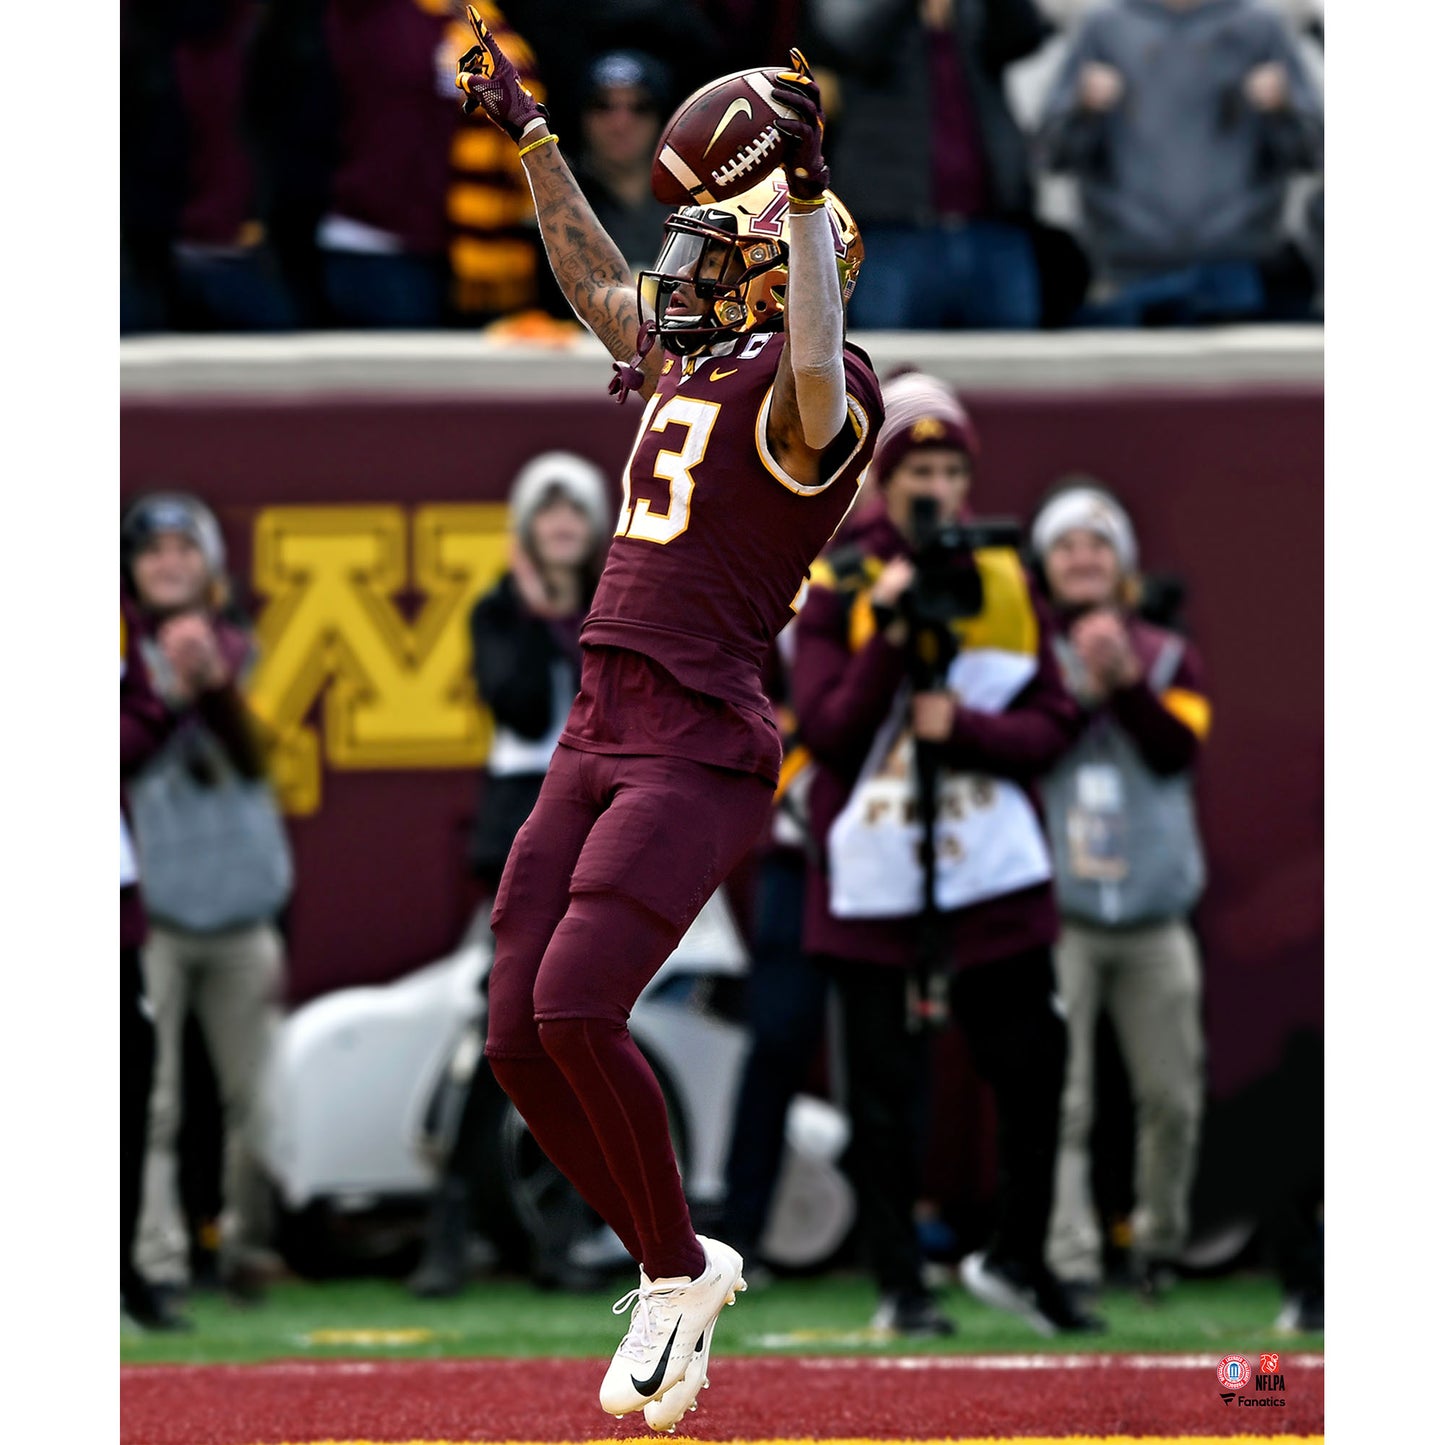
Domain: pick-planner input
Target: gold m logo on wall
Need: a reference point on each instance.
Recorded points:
(394, 693)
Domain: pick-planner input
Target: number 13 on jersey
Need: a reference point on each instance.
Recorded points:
(674, 467)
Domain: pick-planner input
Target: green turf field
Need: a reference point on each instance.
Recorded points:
(506, 1317)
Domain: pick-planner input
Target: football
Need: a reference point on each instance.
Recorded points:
(721, 140)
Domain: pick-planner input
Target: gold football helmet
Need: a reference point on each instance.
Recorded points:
(723, 268)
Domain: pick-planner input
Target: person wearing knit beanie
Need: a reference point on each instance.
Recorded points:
(217, 872)
(926, 429)
(871, 692)
(1128, 870)
(160, 515)
(1082, 503)
(920, 411)
(526, 666)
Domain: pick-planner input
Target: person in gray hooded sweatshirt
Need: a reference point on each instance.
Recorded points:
(1184, 120)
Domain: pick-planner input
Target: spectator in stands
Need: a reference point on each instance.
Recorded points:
(383, 237)
(420, 217)
(493, 246)
(621, 121)
(569, 37)
(526, 662)
(752, 32)
(524, 638)
(218, 872)
(1184, 121)
(145, 723)
(1001, 720)
(931, 160)
(1128, 868)
(195, 256)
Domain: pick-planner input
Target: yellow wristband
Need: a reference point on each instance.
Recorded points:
(808, 205)
(534, 144)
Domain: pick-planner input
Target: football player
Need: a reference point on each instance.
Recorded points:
(759, 420)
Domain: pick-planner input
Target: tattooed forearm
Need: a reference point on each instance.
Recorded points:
(587, 264)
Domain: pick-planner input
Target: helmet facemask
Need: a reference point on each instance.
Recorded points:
(725, 282)
(732, 258)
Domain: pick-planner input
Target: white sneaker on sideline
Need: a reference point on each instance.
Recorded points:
(672, 1321)
(663, 1413)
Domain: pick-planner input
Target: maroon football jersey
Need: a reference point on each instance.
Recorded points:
(712, 551)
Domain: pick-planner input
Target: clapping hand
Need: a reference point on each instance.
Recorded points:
(1103, 646)
(188, 644)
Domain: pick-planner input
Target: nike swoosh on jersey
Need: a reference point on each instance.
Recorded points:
(718, 376)
(653, 1382)
(738, 105)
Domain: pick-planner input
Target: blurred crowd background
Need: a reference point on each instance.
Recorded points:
(1013, 164)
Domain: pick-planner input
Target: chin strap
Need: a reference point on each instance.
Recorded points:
(629, 378)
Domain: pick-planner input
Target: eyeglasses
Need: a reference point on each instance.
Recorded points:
(635, 107)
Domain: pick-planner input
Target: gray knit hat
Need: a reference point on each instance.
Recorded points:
(159, 512)
(1089, 506)
(577, 479)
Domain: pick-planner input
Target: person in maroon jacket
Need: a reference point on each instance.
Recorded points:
(195, 253)
(759, 419)
(145, 724)
(1001, 721)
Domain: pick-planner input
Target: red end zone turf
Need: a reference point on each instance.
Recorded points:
(893, 1398)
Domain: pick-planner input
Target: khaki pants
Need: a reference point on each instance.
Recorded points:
(1148, 981)
(232, 983)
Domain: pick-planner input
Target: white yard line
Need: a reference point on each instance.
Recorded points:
(1044, 1362)
(812, 1362)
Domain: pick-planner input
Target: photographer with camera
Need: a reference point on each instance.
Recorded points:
(1129, 868)
(927, 690)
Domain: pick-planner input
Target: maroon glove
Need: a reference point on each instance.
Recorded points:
(487, 78)
(802, 136)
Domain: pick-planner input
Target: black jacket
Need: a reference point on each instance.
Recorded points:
(879, 147)
(513, 657)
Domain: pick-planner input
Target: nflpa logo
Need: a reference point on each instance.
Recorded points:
(1269, 1364)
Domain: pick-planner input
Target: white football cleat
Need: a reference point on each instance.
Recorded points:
(672, 1320)
(663, 1413)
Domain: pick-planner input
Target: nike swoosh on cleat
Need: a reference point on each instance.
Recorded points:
(650, 1386)
(738, 106)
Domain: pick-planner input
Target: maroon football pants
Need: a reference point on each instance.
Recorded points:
(615, 862)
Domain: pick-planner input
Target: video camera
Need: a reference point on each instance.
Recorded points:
(946, 584)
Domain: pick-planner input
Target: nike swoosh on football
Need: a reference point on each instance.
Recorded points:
(739, 105)
(653, 1383)
(718, 376)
